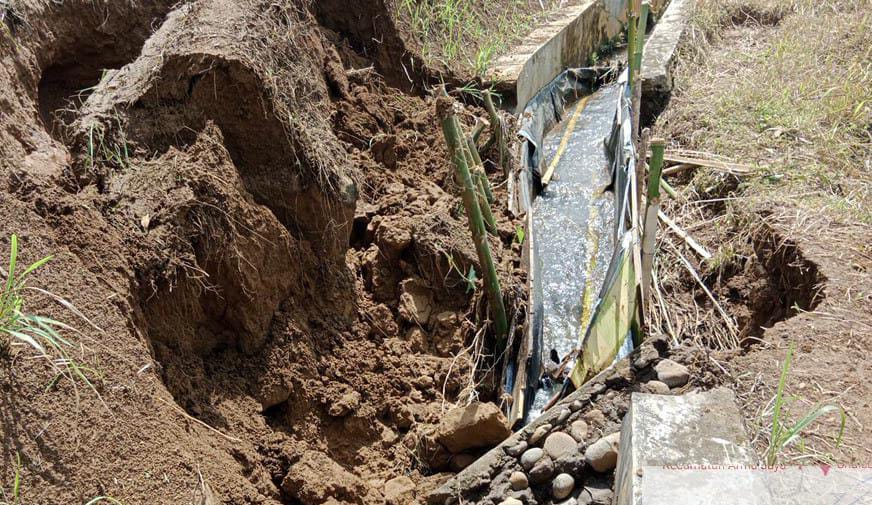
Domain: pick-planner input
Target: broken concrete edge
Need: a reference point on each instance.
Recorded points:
(662, 45)
(566, 41)
(704, 428)
(624, 373)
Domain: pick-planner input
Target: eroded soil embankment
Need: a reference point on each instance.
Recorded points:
(267, 240)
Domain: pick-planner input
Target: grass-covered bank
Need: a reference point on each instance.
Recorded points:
(784, 86)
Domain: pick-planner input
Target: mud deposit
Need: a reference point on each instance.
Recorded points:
(267, 239)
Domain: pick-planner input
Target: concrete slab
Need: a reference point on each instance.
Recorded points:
(661, 46)
(703, 429)
(806, 485)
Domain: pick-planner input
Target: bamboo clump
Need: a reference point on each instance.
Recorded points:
(472, 201)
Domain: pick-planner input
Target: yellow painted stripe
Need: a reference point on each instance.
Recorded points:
(593, 238)
(564, 141)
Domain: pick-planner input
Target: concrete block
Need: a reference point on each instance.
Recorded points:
(661, 46)
(696, 429)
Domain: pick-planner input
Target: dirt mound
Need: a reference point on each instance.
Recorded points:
(269, 240)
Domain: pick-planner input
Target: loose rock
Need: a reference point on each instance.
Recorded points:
(671, 373)
(657, 388)
(602, 455)
(646, 355)
(530, 457)
(595, 418)
(542, 471)
(578, 430)
(576, 406)
(562, 486)
(519, 481)
(540, 433)
(563, 416)
(399, 490)
(477, 425)
(558, 443)
(511, 501)
(517, 449)
(461, 461)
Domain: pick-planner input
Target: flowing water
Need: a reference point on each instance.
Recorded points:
(573, 220)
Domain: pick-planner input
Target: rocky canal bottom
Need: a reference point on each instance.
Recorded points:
(568, 455)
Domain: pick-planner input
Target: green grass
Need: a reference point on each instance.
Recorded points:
(469, 34)
(39, 333)
(797, 102)
(783, 435)
(14, 496)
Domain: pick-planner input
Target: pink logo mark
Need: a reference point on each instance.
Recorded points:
(825, 469)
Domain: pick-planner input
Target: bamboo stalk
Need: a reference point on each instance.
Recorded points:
(480, 125)
(479, 169)
(649, 237)
(453, 137)
(636, 87)
(677, 168)
(486, 212)
(640, 36)
(631, 47)
(640, 170)
(669, 189)
(498, 131)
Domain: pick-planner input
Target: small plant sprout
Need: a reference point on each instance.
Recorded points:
(14, 496)
(40, 333)
(520, 234)
(783, 435)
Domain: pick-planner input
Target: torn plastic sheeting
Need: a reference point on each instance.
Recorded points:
(542, 113)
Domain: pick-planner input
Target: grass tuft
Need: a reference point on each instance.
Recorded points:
(782, 435)
(40, 333)
(469, 34)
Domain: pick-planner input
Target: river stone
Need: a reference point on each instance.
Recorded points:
(602, 455)
(519, 481)
(476, 425)
(578, 430)
(517, 449)
(540, 433)
(563, 416)
(542, 471)
(558, 443)
(671, 373)
(562, 486)
(511, 501)
(657, 388)
(530, 457)
(576, 405)
(569, 501)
